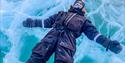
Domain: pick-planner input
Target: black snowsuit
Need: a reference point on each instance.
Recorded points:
(66, 28)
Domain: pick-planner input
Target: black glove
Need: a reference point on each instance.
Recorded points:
(32, 23)
(114, 46)
(29, 23)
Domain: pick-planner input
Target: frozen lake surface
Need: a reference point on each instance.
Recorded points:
(16, 42)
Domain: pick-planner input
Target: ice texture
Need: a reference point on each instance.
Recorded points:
(16, 41)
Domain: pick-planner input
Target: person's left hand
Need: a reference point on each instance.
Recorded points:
(115, 46)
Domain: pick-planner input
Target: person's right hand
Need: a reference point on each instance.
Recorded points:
(29, 23)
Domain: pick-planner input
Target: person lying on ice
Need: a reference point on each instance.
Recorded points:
(66, 28)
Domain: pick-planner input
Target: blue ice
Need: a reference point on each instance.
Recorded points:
(16, 42)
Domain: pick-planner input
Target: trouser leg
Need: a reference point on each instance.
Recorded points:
(43, 50)
(65, 49)
(63, 55)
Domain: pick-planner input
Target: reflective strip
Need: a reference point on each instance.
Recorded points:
(70, 18)
(83, 0)
(95, 38)
(42, 23)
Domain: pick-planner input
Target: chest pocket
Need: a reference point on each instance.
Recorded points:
(75, 22)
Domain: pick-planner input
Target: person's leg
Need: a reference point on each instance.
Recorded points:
(44, 49)
(64, 54)
(65, 48)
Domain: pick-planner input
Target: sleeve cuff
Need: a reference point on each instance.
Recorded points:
(96, 37)
(42, 24)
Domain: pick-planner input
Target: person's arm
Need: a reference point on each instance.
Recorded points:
(47, 23)
(91, 32)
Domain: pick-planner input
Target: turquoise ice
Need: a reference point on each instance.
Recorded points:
(16, 42)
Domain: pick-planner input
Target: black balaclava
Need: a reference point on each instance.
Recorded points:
(77, 7)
